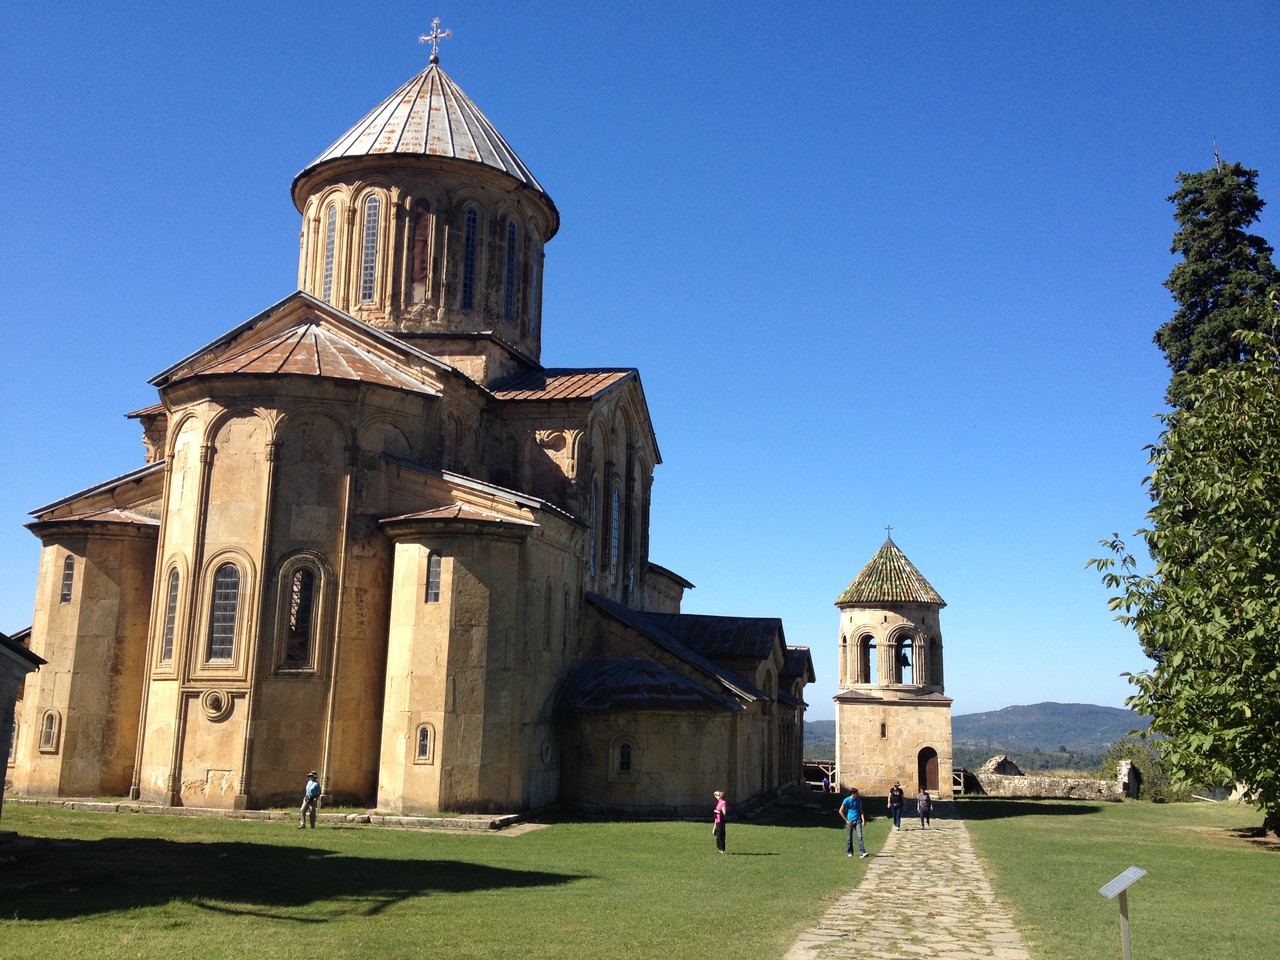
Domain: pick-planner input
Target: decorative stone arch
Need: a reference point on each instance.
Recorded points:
(363, 277)
(169, 614)
(423, 745)
(245, 625)
(188, 419)
(303, 612)
(286, 420)
(900, 649)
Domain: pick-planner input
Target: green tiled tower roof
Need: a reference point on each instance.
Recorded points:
(889, 577)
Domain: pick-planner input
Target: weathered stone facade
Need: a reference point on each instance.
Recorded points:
(892, 720)
(375, 536)
(1001, 777)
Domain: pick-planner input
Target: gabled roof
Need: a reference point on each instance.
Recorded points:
(561, 384)
(636, 684)
(429, 116)
(133, 476)
(799, 663)
(717, 637)
(644, 624)
(349, 344)
(889, 577)
(311, 350)
(18, 652)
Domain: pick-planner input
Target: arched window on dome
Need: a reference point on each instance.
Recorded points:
(615, 533)
(533, 299)
(509, 287)
(421, 269)
(471, 228)
(369, 250)
(330, 242)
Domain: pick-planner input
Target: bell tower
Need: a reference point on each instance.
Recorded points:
(893, 721)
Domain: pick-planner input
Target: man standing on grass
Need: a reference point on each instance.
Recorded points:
(310, 800)
(853, 817)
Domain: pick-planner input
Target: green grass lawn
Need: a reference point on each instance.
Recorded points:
(1212, 888)
(111, 886)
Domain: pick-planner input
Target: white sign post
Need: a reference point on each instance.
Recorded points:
(1117, 887)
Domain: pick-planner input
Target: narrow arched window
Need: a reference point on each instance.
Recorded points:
(470, 229)
(330, 242)
(625, 758)
(222, 620)
(369, 250)
(509, 288)
(68, 579)
(595, 529)
(867, 660)
(170, 617)
(564, 623)
(425, 744)
(49, 732)
(615, 534)
(300, 625)
(546, 619)
(534, 299)
(433, 578)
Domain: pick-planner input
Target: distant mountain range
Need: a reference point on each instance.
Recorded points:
(1077, 727)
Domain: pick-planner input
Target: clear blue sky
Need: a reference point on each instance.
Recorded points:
(877, 264)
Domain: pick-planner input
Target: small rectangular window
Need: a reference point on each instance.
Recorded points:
(68, 579)
(433, 578)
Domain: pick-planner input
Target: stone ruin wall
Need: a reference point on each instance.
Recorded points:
(1001, 777)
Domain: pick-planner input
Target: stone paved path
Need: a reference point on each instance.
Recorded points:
(941, 904)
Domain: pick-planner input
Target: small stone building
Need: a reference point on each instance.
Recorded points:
(374, 535)
(893, 721)
(16, 661)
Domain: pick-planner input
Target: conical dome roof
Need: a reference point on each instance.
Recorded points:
(429, 116)
(889, 577)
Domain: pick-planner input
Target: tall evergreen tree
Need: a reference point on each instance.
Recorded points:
(1223, 269)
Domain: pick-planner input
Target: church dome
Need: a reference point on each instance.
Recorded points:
(421, 220)
(429, 116)
(889, 577)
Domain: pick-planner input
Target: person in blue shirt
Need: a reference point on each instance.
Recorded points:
(310, 800)
(853, 817)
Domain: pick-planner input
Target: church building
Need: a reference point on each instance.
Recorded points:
(893, 721)
(375, 536)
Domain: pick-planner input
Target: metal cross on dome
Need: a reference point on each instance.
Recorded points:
(435, 36)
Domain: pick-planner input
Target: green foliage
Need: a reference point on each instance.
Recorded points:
(1146, 754)
(1207, 615)
(1224, 269)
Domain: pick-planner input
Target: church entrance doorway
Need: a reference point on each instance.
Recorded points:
(927, 769)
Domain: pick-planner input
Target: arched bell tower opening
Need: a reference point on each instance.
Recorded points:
(891, 709)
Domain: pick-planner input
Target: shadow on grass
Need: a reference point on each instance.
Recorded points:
(72, 878)
(1257, 837)
(1000, 808)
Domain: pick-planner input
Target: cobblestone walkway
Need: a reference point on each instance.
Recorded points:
(925, 894)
